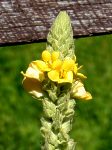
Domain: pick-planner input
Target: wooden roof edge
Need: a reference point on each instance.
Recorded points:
(45, 40)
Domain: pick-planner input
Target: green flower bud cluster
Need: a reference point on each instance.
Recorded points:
(60, 36)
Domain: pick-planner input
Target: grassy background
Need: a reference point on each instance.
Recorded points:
(20, 113)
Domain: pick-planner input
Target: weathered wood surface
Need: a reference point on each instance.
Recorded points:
(23, 21)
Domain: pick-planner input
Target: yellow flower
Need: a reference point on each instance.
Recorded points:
(78, 91)
(58, 70)
(32, 80)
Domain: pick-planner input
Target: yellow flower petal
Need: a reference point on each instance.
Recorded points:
(33, 87)
(55, 55)
(68, 64)
(53, 75)
(46, 56)
(62, 81)
(42, 66)
(68, 77)
(57, 64)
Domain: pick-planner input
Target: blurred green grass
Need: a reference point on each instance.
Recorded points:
(20, 113)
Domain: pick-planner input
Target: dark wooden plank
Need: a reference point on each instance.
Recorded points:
(23, 21)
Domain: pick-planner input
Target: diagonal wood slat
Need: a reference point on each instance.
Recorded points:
(24, 21)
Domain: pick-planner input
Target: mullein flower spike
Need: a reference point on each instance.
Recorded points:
(56, 81)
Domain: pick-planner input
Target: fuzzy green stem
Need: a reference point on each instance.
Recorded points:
(58, 115)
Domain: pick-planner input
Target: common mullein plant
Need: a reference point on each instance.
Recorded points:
(56, 80)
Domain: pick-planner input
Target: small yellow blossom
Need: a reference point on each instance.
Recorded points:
(78, 91)
(58, 70)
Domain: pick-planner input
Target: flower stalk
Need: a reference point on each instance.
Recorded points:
(58, 115)
(57, 82)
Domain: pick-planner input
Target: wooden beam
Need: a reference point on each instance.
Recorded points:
(24, 21)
